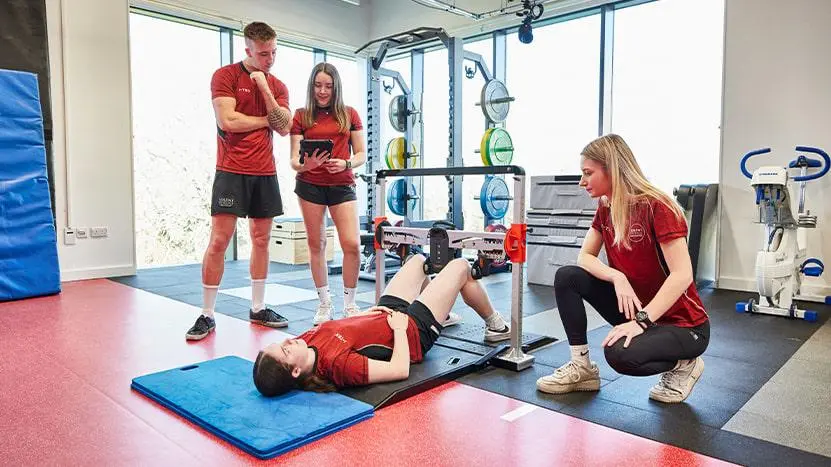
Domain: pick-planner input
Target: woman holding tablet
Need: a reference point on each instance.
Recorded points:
(327, 142)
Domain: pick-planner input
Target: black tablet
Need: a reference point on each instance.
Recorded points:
(309, 146)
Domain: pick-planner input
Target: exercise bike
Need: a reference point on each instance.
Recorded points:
(782, 263)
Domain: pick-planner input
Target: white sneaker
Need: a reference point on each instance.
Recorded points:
(492, 335)
(452, 319)
(351, 309)
(571, 377)
(323, 313)
(675, 385)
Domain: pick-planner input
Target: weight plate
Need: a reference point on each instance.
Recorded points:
(500, 147)
(496, 112)
(494, 197)
(398, 113)
(396, 157)
(483, 147)
(387, 153)
(399, 194)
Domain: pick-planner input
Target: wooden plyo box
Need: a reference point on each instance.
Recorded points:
(288, 242)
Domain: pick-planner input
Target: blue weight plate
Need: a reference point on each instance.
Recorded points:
(494, 197)
(398, 196)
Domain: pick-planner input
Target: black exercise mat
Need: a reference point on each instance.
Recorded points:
(440, 365)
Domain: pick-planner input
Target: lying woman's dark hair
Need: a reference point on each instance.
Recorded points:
(273, 378)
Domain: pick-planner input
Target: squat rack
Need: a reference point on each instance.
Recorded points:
(415, 40)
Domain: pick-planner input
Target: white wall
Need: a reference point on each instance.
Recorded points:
(776, 94)
(90, 85)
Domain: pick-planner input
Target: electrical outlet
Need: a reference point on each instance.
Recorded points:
(97, 232)
(81, 232)
(69, 236)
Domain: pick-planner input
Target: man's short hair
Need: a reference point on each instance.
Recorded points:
(258, 31)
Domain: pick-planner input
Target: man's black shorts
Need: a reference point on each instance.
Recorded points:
(325, 195)
(428, 328)
(256, 196)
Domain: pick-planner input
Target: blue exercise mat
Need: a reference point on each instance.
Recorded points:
(28, 244)
(219, 395)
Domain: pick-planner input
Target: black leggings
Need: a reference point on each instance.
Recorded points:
(655, 351)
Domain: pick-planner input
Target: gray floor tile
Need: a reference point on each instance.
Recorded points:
(787, 433)
(807, 375)
(790, 403)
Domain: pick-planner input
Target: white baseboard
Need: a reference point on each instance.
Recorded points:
(749, 285)
(97, 273)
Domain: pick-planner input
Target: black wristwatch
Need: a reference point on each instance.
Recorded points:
(643, 319)
(348, 164)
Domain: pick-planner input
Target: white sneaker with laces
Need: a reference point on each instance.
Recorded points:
(676, 385)
(324, 313)
(571, 377)
(351, 309)
(452, 318)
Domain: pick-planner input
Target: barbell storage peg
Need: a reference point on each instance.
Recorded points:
(499, 100)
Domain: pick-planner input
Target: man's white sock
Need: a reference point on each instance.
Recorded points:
(257, 294)
(209, 299)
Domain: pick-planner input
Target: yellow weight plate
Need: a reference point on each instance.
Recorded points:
(396, 156)
(483, 147)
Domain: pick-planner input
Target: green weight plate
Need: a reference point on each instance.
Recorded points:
(500, 147)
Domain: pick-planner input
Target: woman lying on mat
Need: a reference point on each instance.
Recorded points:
(377, 345)
(646, 292)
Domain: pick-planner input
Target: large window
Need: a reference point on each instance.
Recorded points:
(667, 88)
(555, 80)
(174, 139)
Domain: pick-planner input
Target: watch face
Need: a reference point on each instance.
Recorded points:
(641, 315)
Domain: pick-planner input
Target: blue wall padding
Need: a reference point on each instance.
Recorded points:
(28, 244)
(219, 395)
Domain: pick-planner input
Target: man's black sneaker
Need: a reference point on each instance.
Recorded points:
(203, 326)
(268, 317)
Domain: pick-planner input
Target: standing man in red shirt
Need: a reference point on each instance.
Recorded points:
(646, 292)
(250, 104)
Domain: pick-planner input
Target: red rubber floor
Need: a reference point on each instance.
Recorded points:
(65, 398)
